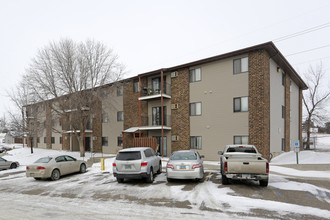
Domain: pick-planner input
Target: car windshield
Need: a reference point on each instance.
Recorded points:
(132, 155)
(242, 149)
(43, 160)
(184, 156)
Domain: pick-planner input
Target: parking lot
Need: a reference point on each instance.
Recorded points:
(97, 193)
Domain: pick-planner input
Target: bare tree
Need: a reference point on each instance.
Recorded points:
(64, 78)
(315, 98)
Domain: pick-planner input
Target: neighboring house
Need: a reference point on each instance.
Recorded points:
(2, 137)
(12, 137)
(252, 95)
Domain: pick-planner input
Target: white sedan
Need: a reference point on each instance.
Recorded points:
(55, 167)
(5, 164)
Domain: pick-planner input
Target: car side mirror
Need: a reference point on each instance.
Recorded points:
(202, 156)
(220, 153)
(158, 154)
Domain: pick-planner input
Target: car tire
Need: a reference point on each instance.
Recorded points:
(55, 175)
(169, 180)
(263, 183)
(13, 166)
(224, 180)
(150, 177)
(159, 171)
(82, 168)
(120, 180)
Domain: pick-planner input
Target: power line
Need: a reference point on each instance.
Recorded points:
(306, 31)
(307, 50)
(309, 61)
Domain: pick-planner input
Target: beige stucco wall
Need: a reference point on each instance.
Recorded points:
(276, 102)
(218, 123)
(294, 114)
(111, 104)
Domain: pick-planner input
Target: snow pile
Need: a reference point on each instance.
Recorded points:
(305, 157)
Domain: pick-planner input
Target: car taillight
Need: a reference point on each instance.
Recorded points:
(41, 168)
(144, 164)
(225, 166)
(27, 167)
(196, 166)
(267, 167)
(114, 165)
(170, 166)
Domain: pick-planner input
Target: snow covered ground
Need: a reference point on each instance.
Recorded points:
(97, 195)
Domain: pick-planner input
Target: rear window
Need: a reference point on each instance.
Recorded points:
(184, 156)
(242, 149)
(133, 155)
(43, 160)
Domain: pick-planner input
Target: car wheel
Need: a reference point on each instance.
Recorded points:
(13, 166)
(55, 175)
(82, 168)
(224, 180)
(150, 177)
(263, 182)
(169, 179)
(120, 180)
(159, 171)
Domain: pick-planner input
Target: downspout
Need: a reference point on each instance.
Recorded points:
(139, 107)
(162, 100)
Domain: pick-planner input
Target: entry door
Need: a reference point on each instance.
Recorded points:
(87, 144)
(159, 142)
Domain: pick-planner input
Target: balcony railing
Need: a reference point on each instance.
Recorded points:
(151, 121)
(155, 89)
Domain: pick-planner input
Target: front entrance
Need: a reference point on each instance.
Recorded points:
(87, 144)
(160, 148)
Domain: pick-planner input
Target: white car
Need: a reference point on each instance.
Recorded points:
(136, 163)
(186, 164)
(55, 167)
(5, 164)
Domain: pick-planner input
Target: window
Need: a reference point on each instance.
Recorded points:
(195, 108)
(119, 90)
(120, 116)
(53, 140)
(283, 144)
(45, 140)
(136, 87)
(157, 115)
(104, 141)
(60, 140)
(241, 65)
(119, 141)
(157, 85)
(241, 139)
(38, 140)
(195, 75)
(283, 79)
(148, 153)
(283, 111)
(241, 104)
(105, 118)
(196, 142)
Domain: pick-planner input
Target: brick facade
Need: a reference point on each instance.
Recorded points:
(259, 101)
(287, 113)
(49, 127)
(97, 126)
(180, 117)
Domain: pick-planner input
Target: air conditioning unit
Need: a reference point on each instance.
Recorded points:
(174, 74)
(94, 138)
(175, 106)
(175, 138)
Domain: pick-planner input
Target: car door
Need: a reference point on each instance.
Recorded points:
(61, 164)
(154, 159)
(71, 164)
(2, 163)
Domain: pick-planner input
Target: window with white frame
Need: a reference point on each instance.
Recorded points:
(241, 65)
(195, 108)
(241, 104)
(196, 142)
(105, 118)
(195, 75)
(105, 141)
(241, 139)
(120, 116)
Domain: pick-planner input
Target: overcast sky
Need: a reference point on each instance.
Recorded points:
(149, 35)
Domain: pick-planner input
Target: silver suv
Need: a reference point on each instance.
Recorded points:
(136, 163)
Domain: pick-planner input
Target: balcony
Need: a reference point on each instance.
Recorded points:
(153, 91)
(155, 123)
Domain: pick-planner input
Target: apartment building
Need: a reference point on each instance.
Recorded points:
(248, 96)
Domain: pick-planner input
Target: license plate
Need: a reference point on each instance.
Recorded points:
(128, 167)
(32, 174)
(246, 176)
(183, 167)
